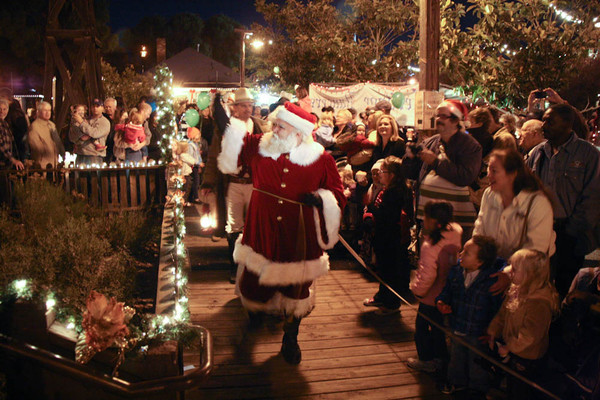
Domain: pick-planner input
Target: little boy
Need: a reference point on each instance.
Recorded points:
(467, 298)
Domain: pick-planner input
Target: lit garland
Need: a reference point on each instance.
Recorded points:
(177, 311)
(173, 322)
(167, 126)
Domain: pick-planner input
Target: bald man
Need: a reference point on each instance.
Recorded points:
(531, 136)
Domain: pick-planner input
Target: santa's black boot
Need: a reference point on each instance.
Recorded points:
(289, 346)
(231, 238)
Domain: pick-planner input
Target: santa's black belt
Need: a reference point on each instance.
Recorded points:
(237, 179)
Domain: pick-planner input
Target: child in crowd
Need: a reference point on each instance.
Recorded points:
(81, 110)
(439, 252)
(392, 216)
(194, 136)
(467, 298)
(369, 201)
(524, 319)
(133, 133)
(350, 217)
(324, 132)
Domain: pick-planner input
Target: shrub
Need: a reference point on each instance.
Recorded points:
(62, 245)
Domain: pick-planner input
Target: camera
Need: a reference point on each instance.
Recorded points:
(540, 94)
(415, 148)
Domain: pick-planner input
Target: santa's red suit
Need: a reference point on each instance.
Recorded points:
(281, 251)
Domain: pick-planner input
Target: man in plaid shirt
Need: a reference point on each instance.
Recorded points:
(7, 158)
(467, 298)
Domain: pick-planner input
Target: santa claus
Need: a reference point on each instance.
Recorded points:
(294, 214)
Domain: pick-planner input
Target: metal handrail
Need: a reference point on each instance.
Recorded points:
(118, 386)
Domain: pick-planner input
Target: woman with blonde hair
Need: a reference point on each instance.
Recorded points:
(389, 142)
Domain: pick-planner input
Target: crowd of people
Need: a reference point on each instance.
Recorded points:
(106, 133)
(505, 210)
(505, 214)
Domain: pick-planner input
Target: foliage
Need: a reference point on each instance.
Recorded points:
(220, 41)
(128, 84)
(316, 42)
(518, 46)
(167, 126)
(62, 245)
(513, 47)
(214, 37)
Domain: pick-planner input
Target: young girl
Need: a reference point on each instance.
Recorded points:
(524, 318)
(439, 252)
(133, 133)
(392, 215)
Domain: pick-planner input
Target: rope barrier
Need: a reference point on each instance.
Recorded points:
(447, 331)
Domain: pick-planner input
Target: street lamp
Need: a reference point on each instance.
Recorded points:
(143, 54)
(245, 35)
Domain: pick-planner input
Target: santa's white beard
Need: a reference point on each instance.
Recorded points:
(276, 145)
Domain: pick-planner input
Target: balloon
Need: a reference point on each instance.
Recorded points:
(192, 117)
(398, 99)
(153, 105)
(276, 70)
(203, 100)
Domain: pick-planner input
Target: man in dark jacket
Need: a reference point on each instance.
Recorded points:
(18, 124)
(450, 160)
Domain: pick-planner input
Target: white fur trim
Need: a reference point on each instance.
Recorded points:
(303, 125)
(333, 216)
(272, 273)
(231, 146)
(280, 304)
(306, 153)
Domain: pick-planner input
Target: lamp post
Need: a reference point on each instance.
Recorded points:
(245, 35)
(143, 54)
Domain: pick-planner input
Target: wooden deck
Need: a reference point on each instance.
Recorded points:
(347, 351)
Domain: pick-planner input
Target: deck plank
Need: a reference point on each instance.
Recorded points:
(348, 352)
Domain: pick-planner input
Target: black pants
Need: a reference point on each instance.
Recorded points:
(564, 264)
(430, 341)
(393, 268)
(530, 369)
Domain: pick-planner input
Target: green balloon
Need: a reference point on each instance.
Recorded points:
(192, 117)
(276, 70)
(398, 99)
(203, 100)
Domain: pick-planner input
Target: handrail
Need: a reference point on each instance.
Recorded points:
(112, 188)
(119, 386)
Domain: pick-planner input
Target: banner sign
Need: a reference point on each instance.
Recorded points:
(363, 95)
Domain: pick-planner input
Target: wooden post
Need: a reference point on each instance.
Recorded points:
(73, 52)
(429, 45)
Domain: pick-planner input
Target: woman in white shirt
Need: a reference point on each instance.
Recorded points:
(515, 209)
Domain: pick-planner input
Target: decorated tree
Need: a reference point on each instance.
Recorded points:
(167, 126)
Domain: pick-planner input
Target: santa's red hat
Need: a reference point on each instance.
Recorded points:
(456, 108)
(297, 117)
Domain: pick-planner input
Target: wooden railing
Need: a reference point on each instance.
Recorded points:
(111, 188)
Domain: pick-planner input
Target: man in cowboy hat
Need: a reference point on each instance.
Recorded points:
(294, 214)
(237, 185)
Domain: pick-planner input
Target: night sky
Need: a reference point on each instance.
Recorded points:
(127, 13)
